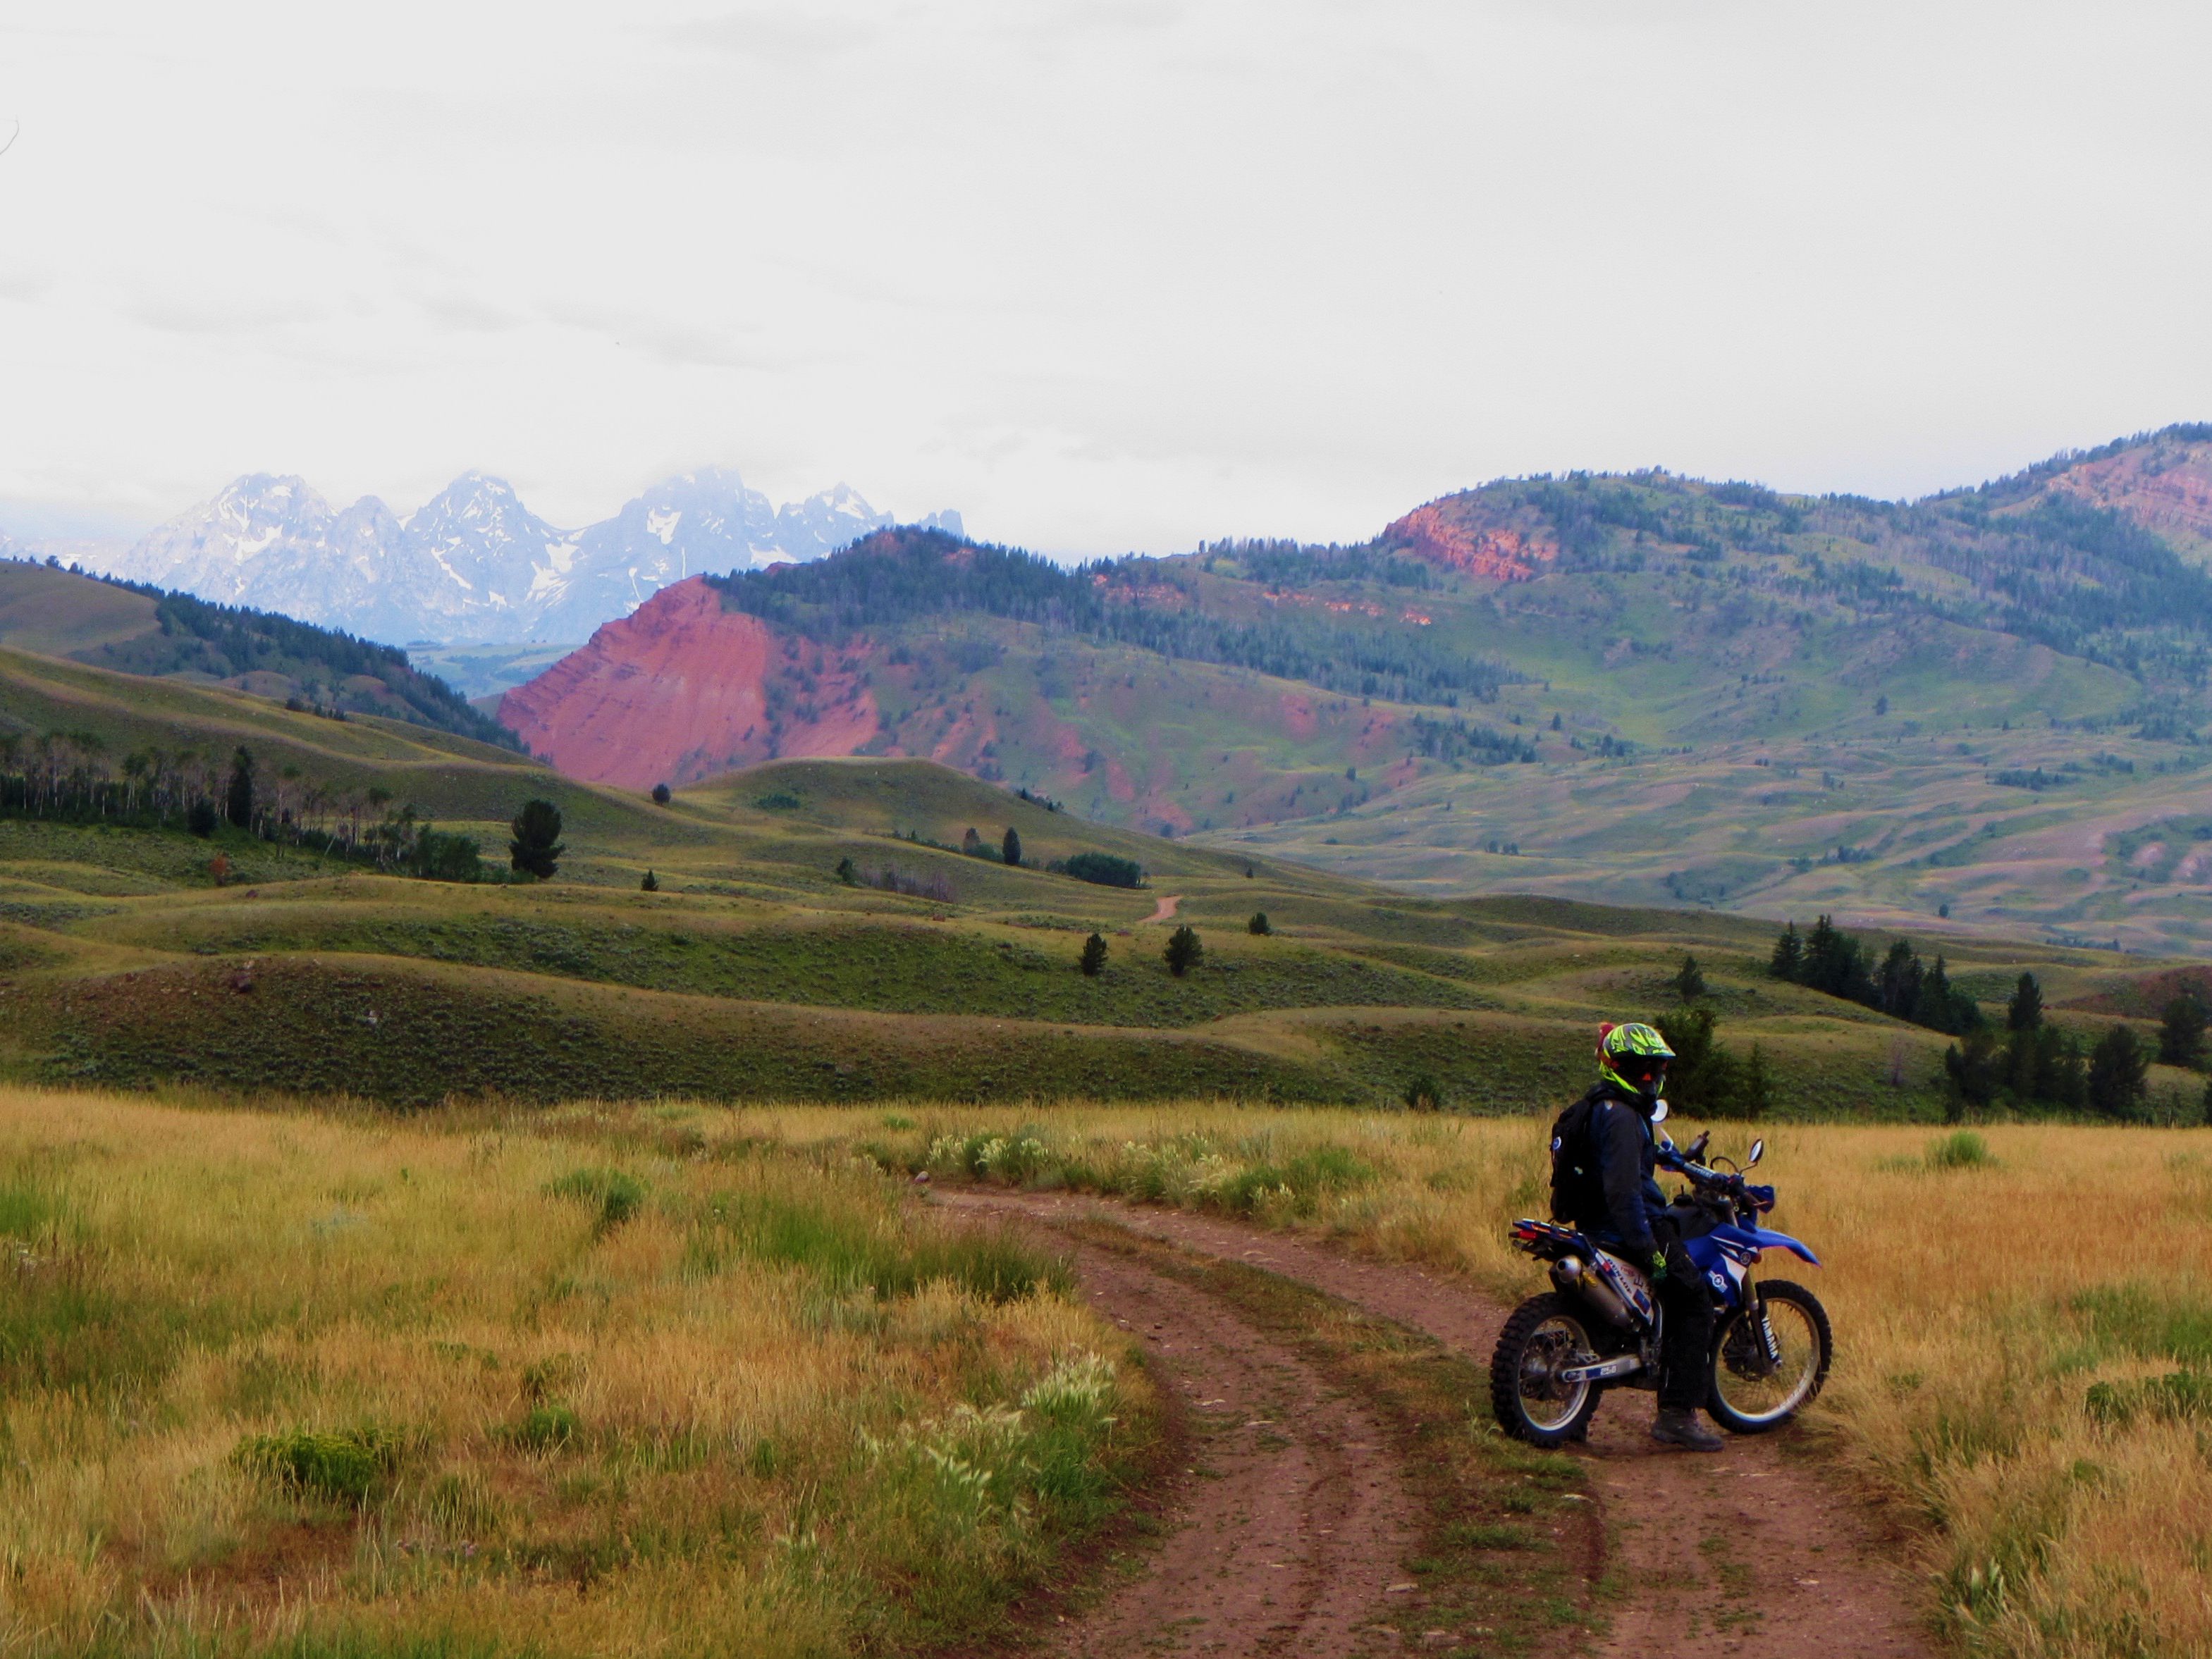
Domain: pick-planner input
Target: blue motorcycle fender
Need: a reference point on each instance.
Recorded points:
(1762, 1239)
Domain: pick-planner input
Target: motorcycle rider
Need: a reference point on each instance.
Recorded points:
(1604, 1153)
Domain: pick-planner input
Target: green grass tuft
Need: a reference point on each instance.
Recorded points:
(617, 1196)
(346, 1464)
(1964, 1151)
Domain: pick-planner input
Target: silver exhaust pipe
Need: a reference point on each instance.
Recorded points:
(1568, 1277)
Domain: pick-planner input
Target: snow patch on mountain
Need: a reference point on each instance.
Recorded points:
(473, 562)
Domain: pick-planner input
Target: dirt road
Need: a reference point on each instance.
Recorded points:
(1748, 1548)
(1165, 909)
(1290, 1517)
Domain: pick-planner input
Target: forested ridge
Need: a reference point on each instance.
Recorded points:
(197, 637)
(897, 575)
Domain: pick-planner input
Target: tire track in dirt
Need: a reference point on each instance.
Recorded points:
(1291, 1515)
(1712, 1553)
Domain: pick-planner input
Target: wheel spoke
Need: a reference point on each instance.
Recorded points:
(1747, 1384)
(1548, 1403)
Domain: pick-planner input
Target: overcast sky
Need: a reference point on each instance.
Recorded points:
(1102, 276)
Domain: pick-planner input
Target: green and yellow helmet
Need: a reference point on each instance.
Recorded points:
(1633, 1059)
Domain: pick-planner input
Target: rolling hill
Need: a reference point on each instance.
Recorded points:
(1981, 709)
(143, 630)
(816, 932)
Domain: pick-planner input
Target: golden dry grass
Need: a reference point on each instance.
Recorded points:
(2024, 1342)
(325, 1385)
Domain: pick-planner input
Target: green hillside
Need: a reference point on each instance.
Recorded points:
(803, 944)
(136, 629)
(1980, 711)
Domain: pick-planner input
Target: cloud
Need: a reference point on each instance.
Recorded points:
(470, 314)
(225, 316)
(674, 341)
(26, 286)
(788, 39)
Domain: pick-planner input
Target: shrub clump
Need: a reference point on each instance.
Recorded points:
(1964, 1151)
(1100, 869)
(547, 1428)
(2177, 1396)
(345, 1464)
(617, 1196)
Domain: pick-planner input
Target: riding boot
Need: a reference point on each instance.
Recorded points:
(1678, 1426)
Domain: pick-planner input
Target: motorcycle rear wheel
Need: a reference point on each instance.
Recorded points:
(1546, 1334)
(1745, 1398)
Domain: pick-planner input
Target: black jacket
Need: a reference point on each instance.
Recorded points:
(1626, 1149)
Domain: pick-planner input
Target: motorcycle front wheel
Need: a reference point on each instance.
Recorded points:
(1546, 1334)
(1749, 1395)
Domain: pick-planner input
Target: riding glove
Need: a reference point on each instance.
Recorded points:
(1658, 1266)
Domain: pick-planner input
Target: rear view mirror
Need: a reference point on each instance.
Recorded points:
(1758, 1151)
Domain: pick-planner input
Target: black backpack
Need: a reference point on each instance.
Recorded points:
(1577, 1186)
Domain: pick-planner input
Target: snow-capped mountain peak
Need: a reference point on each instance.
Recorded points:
(473, 562)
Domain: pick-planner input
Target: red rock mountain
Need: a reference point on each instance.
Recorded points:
(682, 688)
(688, 686)
(2164, 485)
(1467, 533)
(1576, 619)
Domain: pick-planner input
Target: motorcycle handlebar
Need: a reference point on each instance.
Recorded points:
(1699, 1175)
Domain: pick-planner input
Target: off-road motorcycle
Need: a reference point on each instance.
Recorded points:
(1598, 1328)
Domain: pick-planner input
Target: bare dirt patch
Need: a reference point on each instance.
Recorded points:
(1751, 1546)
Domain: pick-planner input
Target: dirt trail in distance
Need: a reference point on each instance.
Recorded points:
(1739, 1550)
(1165, 910)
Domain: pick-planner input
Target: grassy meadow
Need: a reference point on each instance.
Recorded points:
(755, 971)
(2024, 1345)
(632, 1379)
(333, 1384)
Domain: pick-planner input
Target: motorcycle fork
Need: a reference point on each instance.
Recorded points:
(1770, 1348)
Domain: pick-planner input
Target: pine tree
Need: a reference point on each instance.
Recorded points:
(1971, 1068)
(1897, 983)
(536, 849)
(1092, 962)
(1009, 847)
(1689, 979)
(2181, 1032)
(1184, 951)
(1834, 964)
(1259, 924)
(1788, 959)
(2025, 1012)
(660, 794)
(238, 802)
(1940, 1008)
(650, 885)
(2118, 1070)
